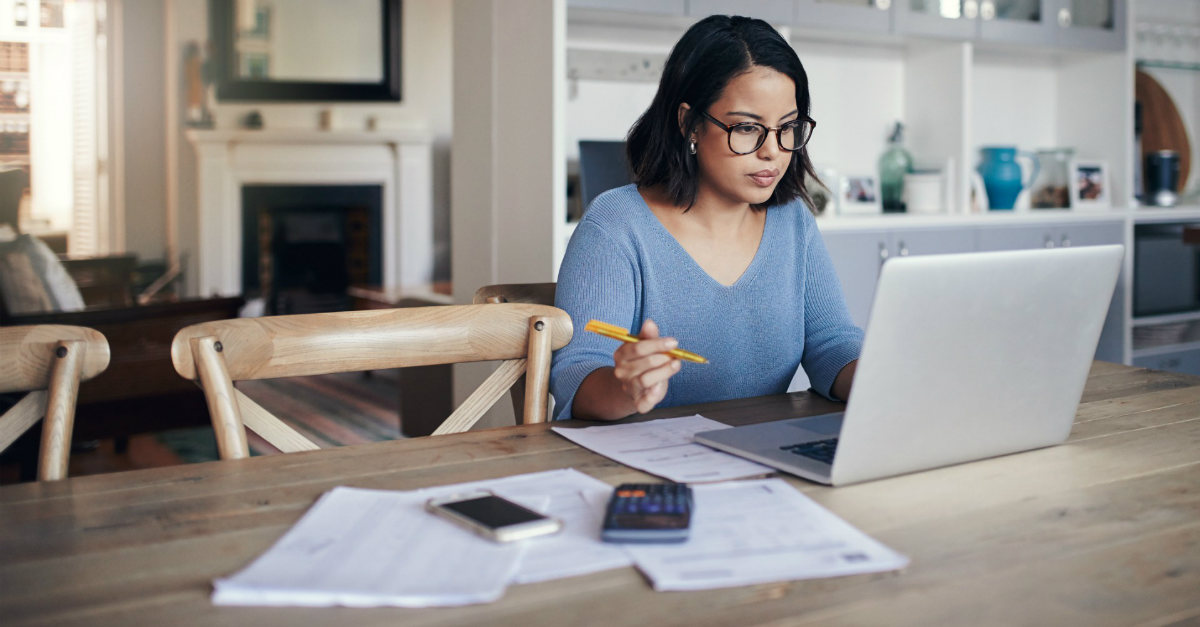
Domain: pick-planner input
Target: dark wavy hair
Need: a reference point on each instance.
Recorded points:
(710, 54)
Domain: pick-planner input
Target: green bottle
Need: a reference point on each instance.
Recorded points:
(894, 163)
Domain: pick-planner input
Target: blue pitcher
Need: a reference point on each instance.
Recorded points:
(1002, 177)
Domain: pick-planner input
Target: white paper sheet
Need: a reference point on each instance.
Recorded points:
(367, 548)
(759, 531)
(575, 498)
(665, 448)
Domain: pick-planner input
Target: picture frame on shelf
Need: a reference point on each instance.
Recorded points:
(858, 195)
(1090, 187)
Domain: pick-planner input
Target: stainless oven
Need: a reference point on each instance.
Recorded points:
(1166, 269)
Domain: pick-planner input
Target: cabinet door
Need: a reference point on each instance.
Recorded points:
(1018, 21)
(773, 11)
(1091, 24)
(855, 15)
(1187, 361)
(655, 7)
(932, 241)
(1112, 338)
(1017, 237)
(953, 19)
(857, 257)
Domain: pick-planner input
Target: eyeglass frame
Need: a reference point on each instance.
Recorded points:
(762, 138)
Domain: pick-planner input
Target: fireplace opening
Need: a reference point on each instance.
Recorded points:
(303, 245)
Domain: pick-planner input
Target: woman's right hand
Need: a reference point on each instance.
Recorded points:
(643, 368)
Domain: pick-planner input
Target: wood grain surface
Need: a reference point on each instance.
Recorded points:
(1102, 530)
(1162, 126)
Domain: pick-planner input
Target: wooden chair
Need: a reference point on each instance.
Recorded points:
(48, 361)
(215, 354)
(532, 293)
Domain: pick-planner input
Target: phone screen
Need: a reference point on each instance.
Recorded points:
(493, 511)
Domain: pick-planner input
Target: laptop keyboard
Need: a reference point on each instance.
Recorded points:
(820, 450)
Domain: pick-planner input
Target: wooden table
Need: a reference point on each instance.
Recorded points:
(1102, 530)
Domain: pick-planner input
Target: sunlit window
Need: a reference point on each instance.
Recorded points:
(51, 103)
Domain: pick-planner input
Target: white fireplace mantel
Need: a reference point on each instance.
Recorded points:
(399, 161)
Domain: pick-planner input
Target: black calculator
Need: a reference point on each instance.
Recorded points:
(648, 512)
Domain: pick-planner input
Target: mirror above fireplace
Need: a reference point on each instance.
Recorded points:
(306, 50)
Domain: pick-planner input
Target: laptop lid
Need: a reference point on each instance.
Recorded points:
(973, 355)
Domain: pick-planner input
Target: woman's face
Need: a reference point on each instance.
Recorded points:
(761, 95)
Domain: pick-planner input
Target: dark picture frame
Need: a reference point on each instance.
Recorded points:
(232, 87)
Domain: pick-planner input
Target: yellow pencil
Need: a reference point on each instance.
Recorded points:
(617, 333)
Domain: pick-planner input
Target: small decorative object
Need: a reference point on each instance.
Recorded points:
(1089, 185)
(325, 120)
(197, 114)
(21, 13)
(923, 192)
(372, 123)
(1052, 188)
(894, 163)
(252, 120)
(52, 14)
(824, 201)
(858, 195)
(1002, 175)
(1162, 178)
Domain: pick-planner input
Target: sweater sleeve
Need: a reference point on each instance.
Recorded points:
(831, 339)
(597, 280)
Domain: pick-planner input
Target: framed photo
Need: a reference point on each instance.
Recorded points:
(1089, 185)
(858, 195)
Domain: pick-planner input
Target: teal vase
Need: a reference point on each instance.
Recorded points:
(1002, 176)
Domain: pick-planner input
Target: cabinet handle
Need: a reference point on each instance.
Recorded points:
(1065, 242)
(1064, 18)
(883, 253)
(970, 9)
(1049, 242)
(987, 10)
(883, 5)
(903, 250)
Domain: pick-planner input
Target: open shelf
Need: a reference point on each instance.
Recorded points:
(1149, 321)
(1166, 349)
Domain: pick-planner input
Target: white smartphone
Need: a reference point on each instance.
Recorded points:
(493, 517)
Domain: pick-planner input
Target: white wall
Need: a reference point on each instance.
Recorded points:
(322, 40)
(856, 90)
(144, 136)
(509, 169)
(426, 99)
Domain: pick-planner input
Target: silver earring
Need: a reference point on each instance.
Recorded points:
(692, 146)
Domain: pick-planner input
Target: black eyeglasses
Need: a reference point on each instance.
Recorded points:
(747, 137)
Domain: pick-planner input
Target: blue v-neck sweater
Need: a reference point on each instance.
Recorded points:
(622, 266)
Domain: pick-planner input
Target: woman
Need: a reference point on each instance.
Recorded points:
(713, 244)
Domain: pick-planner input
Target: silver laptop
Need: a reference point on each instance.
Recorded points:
(966, 356)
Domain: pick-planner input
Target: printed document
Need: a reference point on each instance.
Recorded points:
(759, 531)
(665, 448)
(369, 548)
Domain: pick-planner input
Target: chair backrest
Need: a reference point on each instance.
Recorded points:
(533, 293)
(215, 354)
(48, 361)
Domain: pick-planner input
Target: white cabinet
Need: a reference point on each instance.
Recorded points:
(649, 7)
(872, 16)
(1072, 24)
(858, 255)
(773, 11)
